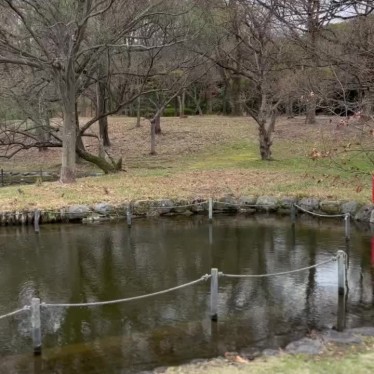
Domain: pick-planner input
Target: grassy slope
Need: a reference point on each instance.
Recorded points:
(200, 157)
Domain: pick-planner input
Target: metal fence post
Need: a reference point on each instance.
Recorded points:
(347, 221)
(342, 272)
(341, 314)
(36, 331)
(128, 216)
(214, 295)
(36, 220)
(210, 209)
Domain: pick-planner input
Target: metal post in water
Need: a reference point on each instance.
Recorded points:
(341, 315)
(347, 225)
(36, 331)
(293, 213)
(36, 220)
(214, 295)
(128, 216)
(210, 234)
(210, 209)
(342, 272)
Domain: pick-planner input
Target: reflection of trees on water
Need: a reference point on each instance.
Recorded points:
(78, 264)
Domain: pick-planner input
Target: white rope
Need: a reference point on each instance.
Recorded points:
(320, 215)
(282, 273)
(203, 278)
(15, 312)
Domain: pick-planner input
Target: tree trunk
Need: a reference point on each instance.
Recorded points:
(103, 164)
(176, 103)
(102, 109)
(69, 133)
(158, 125)
(138, 108)
(80, 143)
(196, 97)
(153, 136)
(266, 124)
(311, 106)
(289, 108)
(181, 100)
(265, 143)
(236, 107)
(368, 102)
(209, 103)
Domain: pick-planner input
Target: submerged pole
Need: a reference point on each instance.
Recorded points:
(342, 272)
(214, 295)
(36, 331)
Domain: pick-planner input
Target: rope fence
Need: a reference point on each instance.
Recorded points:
(18, 311)
(111, 302)
(321, 215)
(36, 305)
(209, 205)
(333, 259)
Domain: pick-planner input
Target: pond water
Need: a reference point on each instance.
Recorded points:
(84, 263)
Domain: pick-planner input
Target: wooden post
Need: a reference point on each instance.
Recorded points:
(342, 272)
(214, 295)
(347, 221)
(128, 216)
(210, 209)
(36, 331)
(36, 220)
(138, 111)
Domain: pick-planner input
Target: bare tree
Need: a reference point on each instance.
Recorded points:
(55, 38)
(262, 55)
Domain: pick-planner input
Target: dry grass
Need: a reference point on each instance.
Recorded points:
(197, 157)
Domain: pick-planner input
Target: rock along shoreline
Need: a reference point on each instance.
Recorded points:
(170, 207)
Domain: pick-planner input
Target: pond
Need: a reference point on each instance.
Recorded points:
(85, 263)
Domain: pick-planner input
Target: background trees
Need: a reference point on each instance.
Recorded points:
(153, 57)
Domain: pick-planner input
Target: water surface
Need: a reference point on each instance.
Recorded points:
(77, 263)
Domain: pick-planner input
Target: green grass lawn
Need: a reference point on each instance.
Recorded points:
(202, 157)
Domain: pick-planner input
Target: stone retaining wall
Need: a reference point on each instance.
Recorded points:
(148, 208)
